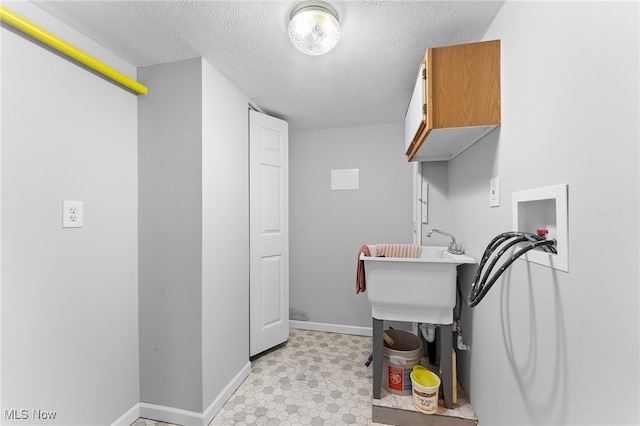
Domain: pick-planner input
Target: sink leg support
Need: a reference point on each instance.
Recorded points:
(377, 357)
(445, 363)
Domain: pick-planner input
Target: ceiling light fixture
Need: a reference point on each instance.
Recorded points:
(314, 27)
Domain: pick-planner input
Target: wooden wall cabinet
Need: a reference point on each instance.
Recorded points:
(455, 102)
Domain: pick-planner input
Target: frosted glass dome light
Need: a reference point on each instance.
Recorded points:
(314, 27)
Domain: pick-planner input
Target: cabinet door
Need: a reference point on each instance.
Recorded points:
(414, 120)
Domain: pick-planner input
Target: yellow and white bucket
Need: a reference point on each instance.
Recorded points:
(425, 389)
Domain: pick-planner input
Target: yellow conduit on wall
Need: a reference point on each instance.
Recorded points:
(49, 39)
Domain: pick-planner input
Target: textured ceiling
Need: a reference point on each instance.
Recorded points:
(366, 79)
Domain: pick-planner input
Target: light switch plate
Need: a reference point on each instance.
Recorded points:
(494, 192)
(72, 214)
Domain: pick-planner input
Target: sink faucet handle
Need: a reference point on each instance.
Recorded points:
(455, 248)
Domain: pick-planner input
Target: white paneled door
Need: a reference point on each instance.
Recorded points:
(268, 232)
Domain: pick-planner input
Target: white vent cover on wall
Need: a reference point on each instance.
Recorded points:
(345, 179)
(546, 209)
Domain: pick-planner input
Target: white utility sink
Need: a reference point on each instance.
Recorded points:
(413, 289)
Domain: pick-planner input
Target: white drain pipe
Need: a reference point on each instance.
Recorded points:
(429, 332)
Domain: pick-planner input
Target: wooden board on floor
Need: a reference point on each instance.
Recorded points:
(399, 417)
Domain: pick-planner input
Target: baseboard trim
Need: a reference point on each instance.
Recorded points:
(226, 393)
(331, 328)
(129, 417)
(170, 414)
(184, 417)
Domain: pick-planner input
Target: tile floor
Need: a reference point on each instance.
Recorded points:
(315, 378)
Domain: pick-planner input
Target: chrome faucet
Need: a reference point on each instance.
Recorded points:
(454, 248)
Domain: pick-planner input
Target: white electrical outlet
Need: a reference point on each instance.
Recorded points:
(494, 192)
(72, 214)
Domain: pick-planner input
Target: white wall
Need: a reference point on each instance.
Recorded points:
(194, 277)
(170, 232)
(225, 236)
(69, 308)
(549, 347)
(434, 174)
(328, 227)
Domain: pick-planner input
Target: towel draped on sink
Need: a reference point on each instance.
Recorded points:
(361, 286)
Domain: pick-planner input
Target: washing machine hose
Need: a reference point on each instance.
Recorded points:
(482, 283)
